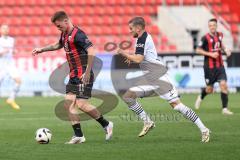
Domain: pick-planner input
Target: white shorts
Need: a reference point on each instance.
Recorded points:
(167, 92)
(9, 71)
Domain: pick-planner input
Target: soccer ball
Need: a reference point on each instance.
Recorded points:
(43, 136)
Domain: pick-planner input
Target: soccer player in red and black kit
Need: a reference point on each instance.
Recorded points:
(80, 55)
(211, 46)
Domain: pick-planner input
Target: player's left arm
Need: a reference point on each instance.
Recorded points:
(226, 50)
(135, 57)
(91, 56)
(84, 42)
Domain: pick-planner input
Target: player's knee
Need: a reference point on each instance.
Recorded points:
(82, 104)
(224, 87)
(69, 100)
(209, 90)
(129, 99)
(175, 103)
(68, 103)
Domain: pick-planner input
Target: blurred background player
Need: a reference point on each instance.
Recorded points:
(211, 46)
(145, 54)
(80, 55)
(7, 64)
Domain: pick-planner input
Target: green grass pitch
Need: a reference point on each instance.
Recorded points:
(174, 138)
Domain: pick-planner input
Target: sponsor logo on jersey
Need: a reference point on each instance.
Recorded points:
(140, 45)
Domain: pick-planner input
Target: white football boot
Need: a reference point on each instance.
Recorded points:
(226, 111)
(198, 102)
(76, 140)
(146, 128)
(109, 131)
(206, 135)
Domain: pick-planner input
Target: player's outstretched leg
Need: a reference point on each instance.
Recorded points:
(11, 99)
(224, 98)
(192, 116)
(204, 93)
(91, 110)
(73, 116)
(130, 99)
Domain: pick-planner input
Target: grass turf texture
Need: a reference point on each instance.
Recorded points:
(173, 138)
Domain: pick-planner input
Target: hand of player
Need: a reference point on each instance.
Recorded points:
(85, 78)
(36, 51)
(120, 51)
(214, 55)
(228, 52)
(127, 61)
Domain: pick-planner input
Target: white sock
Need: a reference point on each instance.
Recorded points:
(200, 125)
(140, 112)
(191, 115)
(14, 92)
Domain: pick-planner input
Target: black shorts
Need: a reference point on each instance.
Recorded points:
(214, 75)
(75, 86)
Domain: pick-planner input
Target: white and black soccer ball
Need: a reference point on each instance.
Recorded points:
(43, 136)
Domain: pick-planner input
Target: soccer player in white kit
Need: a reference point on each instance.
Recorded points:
(7, 65)
(146, 55)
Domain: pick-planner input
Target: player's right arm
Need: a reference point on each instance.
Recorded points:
(51, 47)
(201, 49)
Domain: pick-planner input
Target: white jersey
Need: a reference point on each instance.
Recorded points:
(6, 43)
(6, 60)
(163, 86)
(145, 46)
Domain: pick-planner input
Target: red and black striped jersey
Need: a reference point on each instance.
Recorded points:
(75, 45)
(212, 43)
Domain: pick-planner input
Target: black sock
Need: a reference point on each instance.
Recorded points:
(77, 130)
(224, 98)
(102, 121)
(203, 93)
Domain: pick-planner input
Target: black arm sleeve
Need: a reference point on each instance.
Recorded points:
(203, 43)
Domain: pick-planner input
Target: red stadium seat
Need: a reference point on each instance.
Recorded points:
(99, 10)
(172, 48)
(234, 28)
(117, 20)
(35, 31)
(154, 30)
(49, 10)
(96, 30)
(119, 10)
(9, 2)
(26, 21)
(189, 2)
(107, 20)
(139, 10)
(130, 10)
(234, 18)
(164, 39)
(97, 20)
(125, 30)
(227, 17)
(225, 8)
(35, 20)
(113, 31)
(154, 2)
(6, 11)
(15, 21)
(109, 10)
